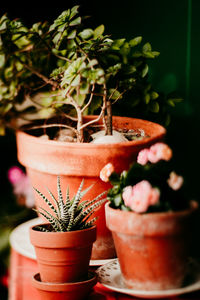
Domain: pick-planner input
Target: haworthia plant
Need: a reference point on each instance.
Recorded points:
(69, 214)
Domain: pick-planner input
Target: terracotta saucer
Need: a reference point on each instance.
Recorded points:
(64, 291)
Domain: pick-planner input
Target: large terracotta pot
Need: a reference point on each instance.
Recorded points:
(152, 248)
(64, 291)
(63, 256)
(45, 159)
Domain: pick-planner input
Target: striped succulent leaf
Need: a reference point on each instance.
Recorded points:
(51, 220)
(67, 199)
(74, 214)
(60, 197)
(77, 198)
(88, 224)
(88, 203)
(55, 201)
(47, 201)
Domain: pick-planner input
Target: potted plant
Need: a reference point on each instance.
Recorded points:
(63, 246)
(150, 218)
(55, 77)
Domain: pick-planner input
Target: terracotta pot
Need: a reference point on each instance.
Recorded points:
(45, 159)
(63, 256)
(152, 248)
(64, 291)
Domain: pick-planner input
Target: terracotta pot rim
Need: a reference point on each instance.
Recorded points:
(67, 286)
(68, 239)
(61, 232)
(149, 224)
(160, 129)
(193, 206)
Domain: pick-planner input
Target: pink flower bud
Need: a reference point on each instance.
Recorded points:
(106, 172)
(142, 158)
(159, 151)
(175, 181)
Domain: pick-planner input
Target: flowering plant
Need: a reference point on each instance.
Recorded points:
(150, 184)
(21, 185)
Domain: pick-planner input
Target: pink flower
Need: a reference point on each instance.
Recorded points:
(106, 172)
(127, 195)
(159, 151)
(175, 181)
(15, 174)
(140, 196)
(142, 158)
(21, 185)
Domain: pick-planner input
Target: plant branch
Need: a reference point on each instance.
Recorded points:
(44, 78)
(79, 118)
(90, 99)
(101, 113)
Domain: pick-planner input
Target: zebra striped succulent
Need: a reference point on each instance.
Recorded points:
(69, 215)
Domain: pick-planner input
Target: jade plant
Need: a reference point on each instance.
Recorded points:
(67, 69)
(69, 214)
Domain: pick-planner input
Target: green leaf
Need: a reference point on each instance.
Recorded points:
(79, 98)
(130, 69)
(2, 60)
(154, 107)
(148, 54)
(114, 179)
(177, 100)
(154, 95)
(4, 239)
(117, 200)
(146, 47)
(137, 54)
(114, 94)
(57, 37)
(72, 34)
(84, 88)
(92, 63)
(76, 80)
(171, 102)
(74, 11)
(86, 33)
(147, 98)
(136, 41)
(75, 22)
(98, 31)
(3, 22)
(117, 44)
(155, 53)
(167, 120)
(145, 71)
(46, 112)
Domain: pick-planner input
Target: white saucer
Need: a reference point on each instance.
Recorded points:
(109, 275)
(20, 242)
(100, 262)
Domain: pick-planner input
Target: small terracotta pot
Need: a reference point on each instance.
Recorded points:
(64, 291)
(152, 248)
(63, 256)
(45, 159)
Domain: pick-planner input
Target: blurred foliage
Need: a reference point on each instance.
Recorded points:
(81, 69)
